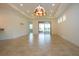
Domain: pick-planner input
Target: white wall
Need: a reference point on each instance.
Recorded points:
(10, 20)
(69, 29)
(54, 27)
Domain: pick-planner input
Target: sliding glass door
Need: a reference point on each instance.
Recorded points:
(44, 27)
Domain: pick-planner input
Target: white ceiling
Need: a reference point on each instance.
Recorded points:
(28, 8)
(62, 8)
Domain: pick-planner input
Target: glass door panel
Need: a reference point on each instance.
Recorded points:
(41, 27)
(47, 27)
(44, 27)
(30, 28)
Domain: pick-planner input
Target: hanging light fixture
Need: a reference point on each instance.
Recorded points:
(39, 11)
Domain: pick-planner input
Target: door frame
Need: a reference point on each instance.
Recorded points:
(45, 22)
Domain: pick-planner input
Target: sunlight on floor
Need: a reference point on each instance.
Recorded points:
(43, 39)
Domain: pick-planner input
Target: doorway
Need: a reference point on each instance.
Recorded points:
(30, 27)
(44, 27)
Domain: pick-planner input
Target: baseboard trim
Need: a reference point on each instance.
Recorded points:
(68, 40)
(14, 37)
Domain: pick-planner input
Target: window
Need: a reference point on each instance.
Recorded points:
(62, 19)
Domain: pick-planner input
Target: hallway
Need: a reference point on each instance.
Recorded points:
(41, 45)
(39, 29)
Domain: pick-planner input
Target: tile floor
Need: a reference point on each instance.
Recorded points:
(38, 45)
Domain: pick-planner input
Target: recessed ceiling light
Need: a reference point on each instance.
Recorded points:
(21, 4)
(53, 4)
